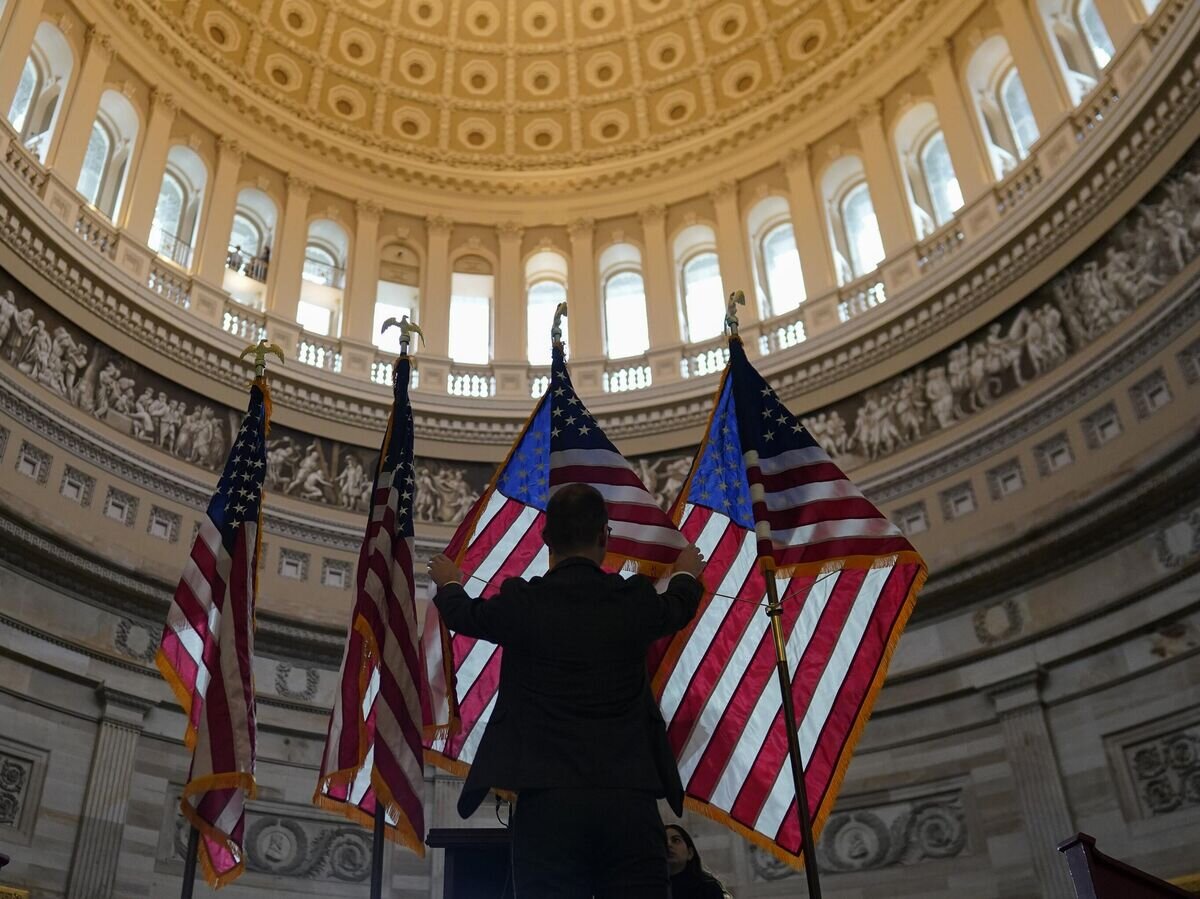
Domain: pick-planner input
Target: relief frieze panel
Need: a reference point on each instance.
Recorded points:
(114, 390)
(868, 839)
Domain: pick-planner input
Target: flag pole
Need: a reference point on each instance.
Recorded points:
(189, 863)
(377, 847)
(775, 613)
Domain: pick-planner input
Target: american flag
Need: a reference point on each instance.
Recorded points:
(502, 538)
(373, 751)
(764, 500)
(207, 650)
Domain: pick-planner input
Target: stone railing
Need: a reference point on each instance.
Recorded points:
(94, 230)
(242, 322)
(1082, 162)
(636, 376)
(320, 352)
(477, 381)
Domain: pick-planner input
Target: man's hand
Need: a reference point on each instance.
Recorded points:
(443, 571)
(690, 561)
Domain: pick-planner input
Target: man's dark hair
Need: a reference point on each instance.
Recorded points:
(576, 518)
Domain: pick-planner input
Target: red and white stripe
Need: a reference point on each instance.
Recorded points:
(206, 656)
(807, 511)
(374, 750)
(718, 684)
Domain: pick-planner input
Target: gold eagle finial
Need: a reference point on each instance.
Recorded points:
(260, 351)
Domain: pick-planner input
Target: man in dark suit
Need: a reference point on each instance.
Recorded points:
(576, 732)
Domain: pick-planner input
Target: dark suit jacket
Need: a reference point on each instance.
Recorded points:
(574, 707)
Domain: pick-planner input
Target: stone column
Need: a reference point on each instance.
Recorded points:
(959, 124)
(732, 247)
(146, 180)
(808, 224)
(287, 260)
(509, 309)
(435, 298)
(213, 245)
(1043, 81)
(887, 193)
(105, 803)
(662, 312)
(1121, 18)
(1036, 776)
(363, 284)
(69, 144)
(586, 325)
(23, 19)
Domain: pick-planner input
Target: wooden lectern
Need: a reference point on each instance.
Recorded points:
(1096, 876)
(478, 862)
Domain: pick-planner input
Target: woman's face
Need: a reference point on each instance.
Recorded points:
(678, 853)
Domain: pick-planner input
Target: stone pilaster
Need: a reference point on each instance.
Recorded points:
(69, 144)
(287, 262)
(435, 297)
(105, 803)
(586, 316)
(220, 206)
(146, 182)
(662, 307)
(808, 224)
(732, 248)
(1040, 76)
(359, 307)
(510, 306)
(971, 165)
(1037, 778)
(887, 191)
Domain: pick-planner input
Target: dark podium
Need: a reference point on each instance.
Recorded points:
(1098, 876)
(478, 862)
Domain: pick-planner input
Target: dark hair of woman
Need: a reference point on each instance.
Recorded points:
(689, 878)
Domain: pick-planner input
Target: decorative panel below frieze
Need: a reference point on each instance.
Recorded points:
(1158, 765)
(22, 772)
(319, 854)
(903, 832)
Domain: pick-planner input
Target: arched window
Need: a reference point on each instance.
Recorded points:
(110, 147)
(96, 160)
(34, 109)
(777, 273)
(323, 277)
(862, 230)
(472, 288)
(698, 274)
(396, 294)
(940, 182)
(1079, 43)
(321, 266)
(245, 237)
(853, 229)
(626, 331)
(781, 260)
(1092, 27)
(27, 88)
(545, 288)
(1018, 112)
(177, 212)
(168, 213)
(1005, 116)
(703, 296)
(625, 315)
(247, 261)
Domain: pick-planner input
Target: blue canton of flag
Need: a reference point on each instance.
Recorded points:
(239, 492)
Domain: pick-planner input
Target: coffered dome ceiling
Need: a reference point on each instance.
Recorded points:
(515, 85)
